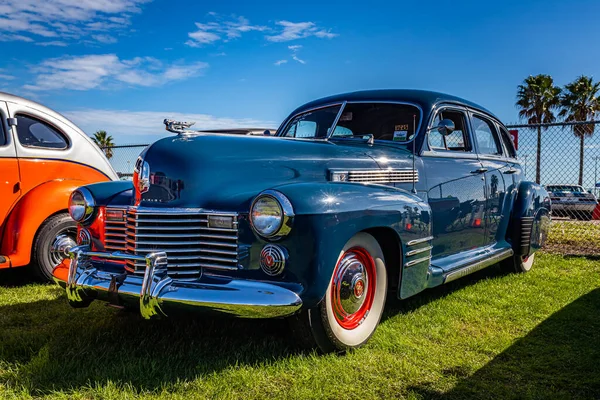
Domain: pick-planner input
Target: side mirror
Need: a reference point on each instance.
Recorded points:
(446, 127)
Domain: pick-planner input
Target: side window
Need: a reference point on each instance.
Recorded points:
(486, 136)
(35, 133)
(457, 140)
(508, 143)
(2, 134)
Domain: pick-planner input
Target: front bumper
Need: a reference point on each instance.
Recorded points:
(95, 276)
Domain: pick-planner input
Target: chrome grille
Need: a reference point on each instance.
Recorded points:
(115, 233)
(383, 176)
(185, 236)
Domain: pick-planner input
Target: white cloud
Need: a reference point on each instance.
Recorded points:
(279, 62)
(4, 76)
(148, 125)
(58, 43)
(64, 19)
(295, 58)
(107, 70)
(106, 39)
(299, 30)
(220, 30)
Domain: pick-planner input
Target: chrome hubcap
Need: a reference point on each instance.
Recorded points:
(59, 250)
(351, 284)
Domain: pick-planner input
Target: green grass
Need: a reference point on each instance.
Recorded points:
(490, 335)
(575, 236)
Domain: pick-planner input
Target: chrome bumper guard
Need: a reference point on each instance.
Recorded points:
(158, 294)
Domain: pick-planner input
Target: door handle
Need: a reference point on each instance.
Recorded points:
(510, 171)
(480, 171)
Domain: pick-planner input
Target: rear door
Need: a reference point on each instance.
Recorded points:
(496, 168)
(9, 167)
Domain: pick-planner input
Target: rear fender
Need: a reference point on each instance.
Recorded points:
(530, 222)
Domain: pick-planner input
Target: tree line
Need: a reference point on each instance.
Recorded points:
(540, 101)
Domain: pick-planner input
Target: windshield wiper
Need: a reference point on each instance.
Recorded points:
(368, 137)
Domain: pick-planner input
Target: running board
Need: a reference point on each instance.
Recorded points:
(479, 265)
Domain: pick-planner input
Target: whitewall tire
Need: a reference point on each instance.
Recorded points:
(354, 301)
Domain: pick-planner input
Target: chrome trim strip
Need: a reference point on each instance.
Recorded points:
(479, 265)
(417, 241)
(417, 261)
(418, 251)
(157, 294)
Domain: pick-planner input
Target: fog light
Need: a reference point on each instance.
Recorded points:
(273, 259)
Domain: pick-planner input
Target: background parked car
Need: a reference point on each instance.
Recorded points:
(572, 200)
(43, 158)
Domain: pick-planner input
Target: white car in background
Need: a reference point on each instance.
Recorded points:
(572, 200)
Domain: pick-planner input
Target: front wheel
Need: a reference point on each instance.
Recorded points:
(54, 238)
(353, 304)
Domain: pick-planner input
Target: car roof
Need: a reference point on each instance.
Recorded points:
(424, 98)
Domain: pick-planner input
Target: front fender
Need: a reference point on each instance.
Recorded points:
(329, 214)
(29, 213)
(113, 193)
(530, 220)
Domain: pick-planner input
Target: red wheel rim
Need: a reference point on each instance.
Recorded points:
(353, 287)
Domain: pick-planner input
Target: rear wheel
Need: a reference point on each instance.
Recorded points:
(519, 264)
(350, 311)
(51, 244)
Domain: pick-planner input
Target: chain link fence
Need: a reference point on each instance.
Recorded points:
(566, 160)
(568, 167)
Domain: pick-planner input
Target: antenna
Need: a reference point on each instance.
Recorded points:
(414, 171)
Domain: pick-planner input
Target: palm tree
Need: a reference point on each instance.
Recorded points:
(104, 141)
(537, 99)
(580, 102)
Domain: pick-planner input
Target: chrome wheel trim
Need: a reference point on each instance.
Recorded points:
(378, 286)
(60, 246)
(351, 292)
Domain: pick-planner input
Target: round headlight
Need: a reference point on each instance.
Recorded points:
(271, 214)
(81, 205)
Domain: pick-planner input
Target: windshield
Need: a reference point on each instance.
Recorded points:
(385, 121)
(313, 124)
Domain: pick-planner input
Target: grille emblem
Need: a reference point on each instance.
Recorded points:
(273, 259)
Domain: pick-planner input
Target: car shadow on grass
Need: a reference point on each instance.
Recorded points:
(15, 277)
(53, 347)
(560, 358)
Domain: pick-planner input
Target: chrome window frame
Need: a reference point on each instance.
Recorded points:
(445, 153)
(496, 135)
(343, 104)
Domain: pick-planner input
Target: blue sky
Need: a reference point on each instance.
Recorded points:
(124, 65)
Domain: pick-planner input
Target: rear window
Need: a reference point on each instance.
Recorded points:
(35, 133)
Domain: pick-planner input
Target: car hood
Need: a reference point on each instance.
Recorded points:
(225, 172)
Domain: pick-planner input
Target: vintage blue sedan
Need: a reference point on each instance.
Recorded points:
(356, 195)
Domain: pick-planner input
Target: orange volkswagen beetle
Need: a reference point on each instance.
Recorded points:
(43, 158)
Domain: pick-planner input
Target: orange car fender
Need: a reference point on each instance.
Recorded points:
(29, 213)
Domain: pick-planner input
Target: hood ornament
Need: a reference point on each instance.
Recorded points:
(178, 127)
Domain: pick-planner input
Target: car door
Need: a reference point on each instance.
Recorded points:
(9, 168)
(455, 183)
(491, 154)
